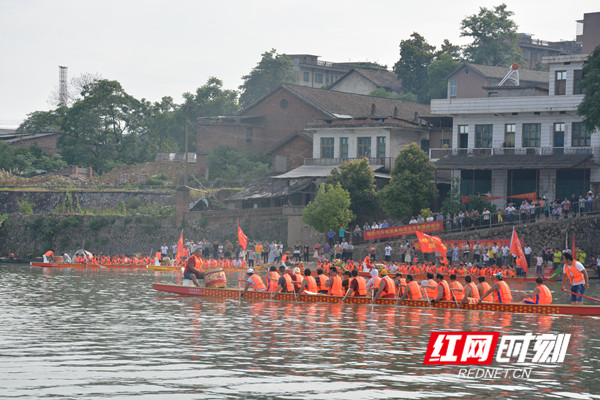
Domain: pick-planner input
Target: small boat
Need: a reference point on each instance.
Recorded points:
(562, 309)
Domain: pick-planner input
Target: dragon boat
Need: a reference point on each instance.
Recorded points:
(553, 309)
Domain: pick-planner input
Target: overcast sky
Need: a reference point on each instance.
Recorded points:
(158, 48)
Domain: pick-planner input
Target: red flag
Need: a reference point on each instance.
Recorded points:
(517, 250)
(179, 254)
(242, 238)
(431, 244)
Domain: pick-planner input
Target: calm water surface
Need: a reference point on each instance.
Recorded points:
(107, 334)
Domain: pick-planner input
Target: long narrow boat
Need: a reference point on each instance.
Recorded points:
(83, 265)
(164, 268)
(420, 277)
(564, 309)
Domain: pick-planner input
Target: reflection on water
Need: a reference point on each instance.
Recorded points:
(107, 334)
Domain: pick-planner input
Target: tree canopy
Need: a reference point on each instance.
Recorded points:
(226, 163)
(494, 37)
(330, 209)
(359, 180)
(415, 56)
(271, 71)
(412, 186)
(589, 108)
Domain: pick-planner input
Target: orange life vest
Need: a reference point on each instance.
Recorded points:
(502, 295)
(401, 288)
(289, 286)
(258, 282)
(272, 280)
(49, 253)
(414, 290)
(432, 293)
(474, 290)
(336, 287)
(573, 273)
(297, 278)
(458, 296)
(545, 295)
(322, 281)
(485, 287)
(361, 286)
(446, 295)
(376, 281)
(312, 285)
(390, 287)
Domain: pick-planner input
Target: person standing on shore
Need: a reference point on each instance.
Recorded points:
(575, 273)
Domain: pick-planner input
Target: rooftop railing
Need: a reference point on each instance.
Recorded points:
(436, 154)
(387, 162)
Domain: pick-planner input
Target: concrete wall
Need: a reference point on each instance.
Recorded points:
(355, 83)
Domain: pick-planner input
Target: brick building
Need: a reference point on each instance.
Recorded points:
(287, 109)
(364, 81)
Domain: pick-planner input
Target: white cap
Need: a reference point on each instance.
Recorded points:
(374, 272)
(250, 271)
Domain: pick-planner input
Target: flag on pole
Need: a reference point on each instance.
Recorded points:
(517, 250)
(432, 244)
(179, 254)
(241, 237)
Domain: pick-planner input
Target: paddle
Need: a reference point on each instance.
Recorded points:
(581, 295)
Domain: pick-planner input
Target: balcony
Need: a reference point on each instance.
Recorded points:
(499, 105)
(387, 162)
(436, 154)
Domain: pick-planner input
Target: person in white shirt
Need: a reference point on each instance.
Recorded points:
(388, 252)
(538, 266)
(510, 210)
(412, 221)
(430, 218)
(527, 252)
(505, 249)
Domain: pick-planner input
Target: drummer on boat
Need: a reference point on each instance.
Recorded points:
(541, 294)
(255, 281)
(193, 267)
(499, 290)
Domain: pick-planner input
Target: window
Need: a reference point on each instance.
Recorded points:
(306, 77)
(364, 147)
(283, 103)
(483, 136)
(326, 147)
(560, 83)
(344, 148)
(318, 78)
(381, 146)
(452, 89)
(577, 77)
(446, 143)
(509, 135)
(559, 137)
(463, 136)
(425, 145)
(581, 137)
(249, 134)
(531, 135)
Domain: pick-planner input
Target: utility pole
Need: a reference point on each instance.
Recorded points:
(185, 182)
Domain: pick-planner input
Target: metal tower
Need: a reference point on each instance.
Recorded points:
(63, 95)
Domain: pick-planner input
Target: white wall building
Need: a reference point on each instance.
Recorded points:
(522, 139)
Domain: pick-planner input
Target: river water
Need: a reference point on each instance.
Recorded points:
(76, 334)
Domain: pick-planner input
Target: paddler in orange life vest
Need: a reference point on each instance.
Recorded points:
(285, 283)
(413, 290)
(321, 280)
(334, 283)
(471, 292)
(456, 289)
(430, 287)
(357, 286)
(387, 288)
(309, 284)
(48, 256)
(541, 294)
(574, 272)
(443, 289)
(483, 287)
(193, 268)
(499, 290)
(255, 281)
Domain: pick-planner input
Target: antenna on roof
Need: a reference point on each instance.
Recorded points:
(513, 75)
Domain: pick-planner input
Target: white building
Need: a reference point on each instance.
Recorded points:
(523, 139)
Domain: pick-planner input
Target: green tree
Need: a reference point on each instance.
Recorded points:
(226, 163)
(415, 56)
(359, 180)
(331, 208)
(100, 129)
(452, 203)
(42, 121)
(494, 35)
(589, 108)
(437, 71)
(412, 185)
(272, 70)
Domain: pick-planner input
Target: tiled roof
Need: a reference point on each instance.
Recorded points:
(512, 161)
(350, 105)
(384, 79)
(266, 187)
(525, 75)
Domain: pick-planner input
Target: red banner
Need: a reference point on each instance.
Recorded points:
(450, 244)
(403, 230)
